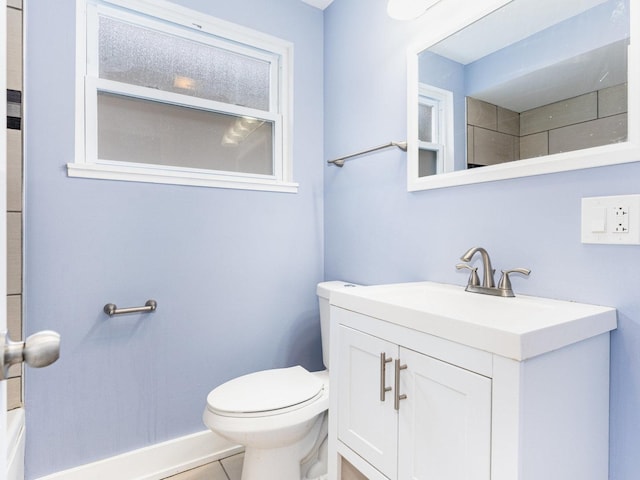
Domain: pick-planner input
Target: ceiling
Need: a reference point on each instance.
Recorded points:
(321, 4)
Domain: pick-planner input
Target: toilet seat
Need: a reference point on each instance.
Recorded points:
(269, 392)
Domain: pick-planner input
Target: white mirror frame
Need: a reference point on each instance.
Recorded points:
(443, 24)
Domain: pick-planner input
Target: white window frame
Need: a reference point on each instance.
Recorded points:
(204, 29)
(442, 126)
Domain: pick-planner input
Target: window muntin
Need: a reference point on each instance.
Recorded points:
(216, 97)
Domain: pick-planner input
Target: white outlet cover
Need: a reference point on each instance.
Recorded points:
(599, 220)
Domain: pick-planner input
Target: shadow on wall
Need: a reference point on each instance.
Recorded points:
(303, 342)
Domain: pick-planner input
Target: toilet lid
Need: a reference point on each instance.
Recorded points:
(265, 391)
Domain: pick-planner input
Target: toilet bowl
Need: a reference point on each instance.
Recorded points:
(279, 415)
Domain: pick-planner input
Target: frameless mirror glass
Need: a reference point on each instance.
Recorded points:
(533, 81)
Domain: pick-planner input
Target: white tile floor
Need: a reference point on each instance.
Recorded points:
(226, 469)
(230, 468)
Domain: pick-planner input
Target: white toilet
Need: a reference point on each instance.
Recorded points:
(279, 415)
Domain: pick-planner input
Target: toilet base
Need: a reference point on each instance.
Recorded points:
(283, 463)
(272, 464)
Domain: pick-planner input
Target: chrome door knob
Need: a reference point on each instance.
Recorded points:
(39, 350)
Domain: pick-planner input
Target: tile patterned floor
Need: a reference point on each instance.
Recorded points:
(226, 469)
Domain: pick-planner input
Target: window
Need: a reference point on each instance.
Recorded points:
(168, 95)
(435, 142)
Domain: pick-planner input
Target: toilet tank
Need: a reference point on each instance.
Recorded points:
(324, 291)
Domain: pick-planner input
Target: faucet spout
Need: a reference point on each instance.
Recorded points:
(487, 278)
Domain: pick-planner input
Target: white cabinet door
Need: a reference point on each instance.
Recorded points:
(445, 421)
(365, 423)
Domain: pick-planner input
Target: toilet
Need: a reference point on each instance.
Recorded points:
(279, 415)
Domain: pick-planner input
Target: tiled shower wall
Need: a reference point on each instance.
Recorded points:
(497, 135)
(14, 192)
(493, 133)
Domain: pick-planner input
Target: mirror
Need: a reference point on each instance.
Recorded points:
(533, 87)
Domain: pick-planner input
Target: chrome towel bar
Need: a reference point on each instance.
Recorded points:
(340, 161)
(110, 309)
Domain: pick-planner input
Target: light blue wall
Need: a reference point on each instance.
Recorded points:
(234, 272)
(377, 232)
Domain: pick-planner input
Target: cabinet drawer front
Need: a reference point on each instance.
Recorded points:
(365, 423)
(445, 421)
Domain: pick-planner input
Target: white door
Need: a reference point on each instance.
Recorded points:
(3, 228)
(366, 421)
(444, 422)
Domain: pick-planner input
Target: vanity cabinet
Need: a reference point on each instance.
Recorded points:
(442, 429)
(452, 411)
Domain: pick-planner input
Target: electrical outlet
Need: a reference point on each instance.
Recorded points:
(613, 219)
(621, 214)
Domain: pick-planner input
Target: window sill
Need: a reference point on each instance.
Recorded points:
(173, 177)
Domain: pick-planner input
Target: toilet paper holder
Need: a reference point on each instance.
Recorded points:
(111, 309)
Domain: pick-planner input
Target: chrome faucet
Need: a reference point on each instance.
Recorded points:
(488, 286)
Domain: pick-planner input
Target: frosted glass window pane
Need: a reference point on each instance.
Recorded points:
(425, 123)
(148, 58)
(143, 131)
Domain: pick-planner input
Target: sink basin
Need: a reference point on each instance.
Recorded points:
(519, 327)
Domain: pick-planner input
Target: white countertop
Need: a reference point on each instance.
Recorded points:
(519, 327)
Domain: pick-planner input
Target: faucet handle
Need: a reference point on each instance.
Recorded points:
(505, 281)
(473, 276)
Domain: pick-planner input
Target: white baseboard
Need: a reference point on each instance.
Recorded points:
(156, 461)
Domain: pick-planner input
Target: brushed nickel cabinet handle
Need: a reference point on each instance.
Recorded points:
(397, 397)
(383, 377)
